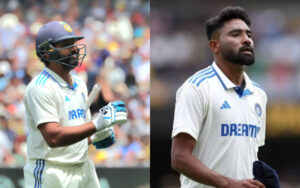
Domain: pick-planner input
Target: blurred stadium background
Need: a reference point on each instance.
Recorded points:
(179, 48)
(117, 35)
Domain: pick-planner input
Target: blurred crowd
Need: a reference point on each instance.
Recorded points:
(117, 35)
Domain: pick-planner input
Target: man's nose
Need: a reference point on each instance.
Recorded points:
(247, 40)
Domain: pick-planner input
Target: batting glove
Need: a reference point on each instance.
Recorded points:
(104, 138)
(111, 114)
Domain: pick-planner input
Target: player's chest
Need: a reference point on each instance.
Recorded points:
(230, 108)
(72, 104)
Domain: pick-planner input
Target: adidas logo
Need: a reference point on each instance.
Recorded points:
(225, 105)
(67, 98)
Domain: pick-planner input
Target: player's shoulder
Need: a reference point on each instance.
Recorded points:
(259, 88)
(39, 83)
(198, 83)
(41, 79)
(201, 77)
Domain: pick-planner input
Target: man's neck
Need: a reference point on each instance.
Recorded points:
(64, 74)
(234, 72)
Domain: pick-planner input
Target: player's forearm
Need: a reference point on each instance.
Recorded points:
(191, 167)
(65, 136)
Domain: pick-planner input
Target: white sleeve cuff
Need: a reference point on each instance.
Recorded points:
(184, 129)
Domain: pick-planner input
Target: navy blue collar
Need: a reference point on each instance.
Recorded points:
(227, 84)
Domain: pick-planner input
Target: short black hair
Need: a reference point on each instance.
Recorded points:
(226, 14)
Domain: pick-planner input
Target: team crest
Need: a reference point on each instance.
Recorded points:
(67, 27)
(258, 109)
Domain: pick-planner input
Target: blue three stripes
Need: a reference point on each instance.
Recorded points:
(43, 77)
(202, 75)
(40, 164)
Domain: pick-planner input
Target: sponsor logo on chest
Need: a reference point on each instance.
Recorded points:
(240, 129)
(76, 114)
(72, 106)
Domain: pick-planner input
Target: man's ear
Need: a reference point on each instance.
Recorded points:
(214, 45)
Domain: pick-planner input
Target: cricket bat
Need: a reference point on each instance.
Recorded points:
(94, 93)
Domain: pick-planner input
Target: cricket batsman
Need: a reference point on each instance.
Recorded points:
(58, 121)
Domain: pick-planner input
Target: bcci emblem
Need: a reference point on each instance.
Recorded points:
(67, 27)
(258, 109)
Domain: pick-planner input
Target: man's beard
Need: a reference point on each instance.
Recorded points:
(240, 57)
(70, 62)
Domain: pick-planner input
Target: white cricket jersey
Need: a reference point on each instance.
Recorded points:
(227, 123)
(48, 98)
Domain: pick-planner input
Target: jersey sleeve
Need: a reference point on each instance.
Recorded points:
(190, 111)
(262, 132)
(42, 105)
